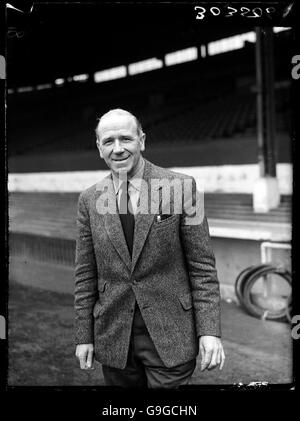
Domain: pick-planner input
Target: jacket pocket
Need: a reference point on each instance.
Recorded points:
(186, 301)
(96, 309)
(99, 304)
(101, 286)
(165, 222)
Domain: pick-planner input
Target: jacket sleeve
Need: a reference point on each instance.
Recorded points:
(200, 261)
(85, 294)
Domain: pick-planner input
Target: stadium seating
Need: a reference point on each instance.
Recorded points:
(192, 120)
(197, 101)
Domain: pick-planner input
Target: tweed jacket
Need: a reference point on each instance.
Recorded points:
(171, 276)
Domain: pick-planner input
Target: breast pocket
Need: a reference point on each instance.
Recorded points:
(165, 222)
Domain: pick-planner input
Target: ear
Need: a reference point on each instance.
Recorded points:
(143, 140)
(99, 148)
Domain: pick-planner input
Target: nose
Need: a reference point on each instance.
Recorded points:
(118, 147)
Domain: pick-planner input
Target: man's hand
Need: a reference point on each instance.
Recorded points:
(212, 353)
(85, 355)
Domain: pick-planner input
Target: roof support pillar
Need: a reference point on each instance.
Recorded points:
(266, 191)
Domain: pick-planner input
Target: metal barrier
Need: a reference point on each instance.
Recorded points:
(266, 246)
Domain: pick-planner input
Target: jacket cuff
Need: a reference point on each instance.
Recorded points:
(84, 333)
(209, 328)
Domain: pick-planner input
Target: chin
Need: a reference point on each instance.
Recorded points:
(122, 169)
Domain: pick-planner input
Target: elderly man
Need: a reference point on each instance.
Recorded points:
(146, 288)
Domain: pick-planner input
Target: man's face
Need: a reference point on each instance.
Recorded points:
(119, 143)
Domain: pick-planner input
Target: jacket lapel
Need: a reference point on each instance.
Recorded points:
(112, 221)
(143, 222)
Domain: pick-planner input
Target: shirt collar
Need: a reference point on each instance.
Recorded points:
(135, 181)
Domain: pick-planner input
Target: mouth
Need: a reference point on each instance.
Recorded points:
(121, 160)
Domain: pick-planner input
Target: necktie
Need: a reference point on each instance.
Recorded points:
(126, 215)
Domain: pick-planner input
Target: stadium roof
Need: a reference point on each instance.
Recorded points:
(60, 40)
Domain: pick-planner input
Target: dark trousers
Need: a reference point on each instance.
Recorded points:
(144, 368)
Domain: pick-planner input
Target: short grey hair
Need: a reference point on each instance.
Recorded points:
(120, 111)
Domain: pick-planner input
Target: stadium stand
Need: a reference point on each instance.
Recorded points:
(191, 120)
(43, 225)
(54, 214)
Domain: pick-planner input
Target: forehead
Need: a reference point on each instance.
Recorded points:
(117, 123)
